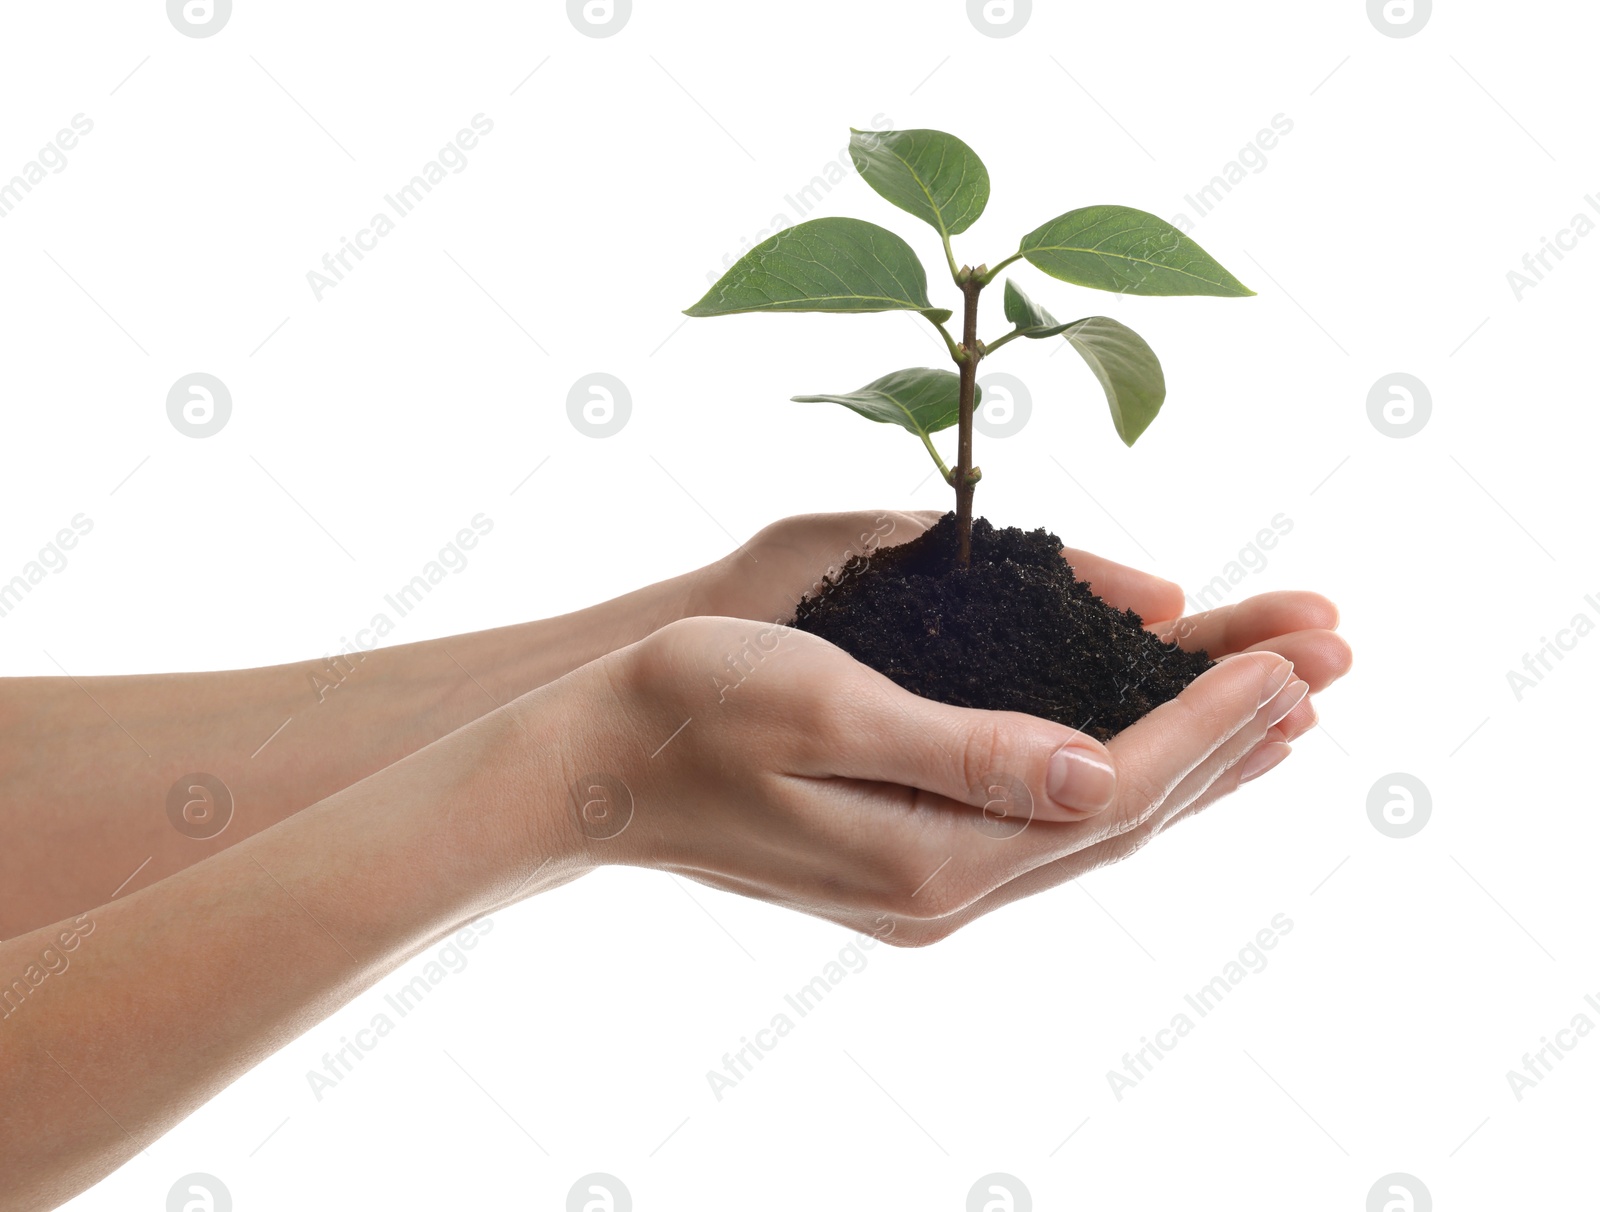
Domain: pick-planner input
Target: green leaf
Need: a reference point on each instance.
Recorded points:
(1126, 366)
(1129, 251)
(939, 314)
(1033, 320)
(927, 173)
(842, 265)
(919, 400)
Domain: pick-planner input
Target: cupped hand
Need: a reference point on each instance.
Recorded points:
(766, 578)
(765, 761)
(1157, 786)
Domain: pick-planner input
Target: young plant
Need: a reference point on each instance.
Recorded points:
(848, 265)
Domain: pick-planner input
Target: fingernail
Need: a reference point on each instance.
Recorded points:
(1285, 701)
(1275, 681)
(1262, 759)
(1080, 780)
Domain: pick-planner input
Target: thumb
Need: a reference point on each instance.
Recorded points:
(1004, 762)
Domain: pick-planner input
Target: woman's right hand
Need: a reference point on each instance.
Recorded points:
(765, 761)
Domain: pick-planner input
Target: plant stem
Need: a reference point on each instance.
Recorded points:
(949, 342)
(944, 471)
(990, 276)
(963, 480)
(950, 257)
(990, 346)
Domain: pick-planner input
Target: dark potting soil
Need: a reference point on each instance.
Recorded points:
(1013, 631)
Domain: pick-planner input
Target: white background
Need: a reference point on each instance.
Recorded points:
(370, 426)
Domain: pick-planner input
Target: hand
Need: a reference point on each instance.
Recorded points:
(1296, 625)
(766, 761)
(765, 578)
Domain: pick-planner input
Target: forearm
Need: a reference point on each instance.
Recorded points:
(168, 994)
(88, 764)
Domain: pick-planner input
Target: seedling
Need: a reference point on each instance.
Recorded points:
(849, 265)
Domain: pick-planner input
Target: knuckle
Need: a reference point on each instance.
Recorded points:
(927, 905)
(1192, 810)
(1139, 793)
(922, 894)
(818, 716)
(1196, 714)
(1135, 842)
(1122, 847)
(658, 660)
(1227, 705)
(1121, 850)
(916, 936)
(978, 755)
(1126, 823)
(933, 892)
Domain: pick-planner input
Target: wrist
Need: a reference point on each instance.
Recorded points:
(512, 661)
(583, 756)
(547, 771)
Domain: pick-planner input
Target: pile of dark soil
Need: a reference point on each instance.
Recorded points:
(1013, 631)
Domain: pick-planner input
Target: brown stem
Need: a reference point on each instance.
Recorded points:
(962, 479)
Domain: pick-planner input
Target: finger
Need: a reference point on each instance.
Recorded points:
(1002, 762)
(1220, 773)
(1150, 597)
(983, 878)
(1320, 657)
(1265, 729)
(1160, 750)
(907, 525)
(1259, 741)
(1010, 766)
(1157, 753)
(1266, 756)
(766, 576)
(1260, 760)
(1297, 723)
(1234, 628)
(1252, 753)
